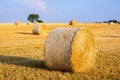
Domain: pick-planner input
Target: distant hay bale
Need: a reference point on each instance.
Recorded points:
(17, 23)
(28, 23)
(70, 49)
(39, 29)
(73, 22)
(101, 23)
(35, 22)
(110, 23)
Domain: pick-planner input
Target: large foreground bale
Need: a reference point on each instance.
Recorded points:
(70, 49)
(73, 22)
(39, 29)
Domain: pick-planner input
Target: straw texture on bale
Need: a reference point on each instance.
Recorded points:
(39, 29)
(70, 49)
(73, 22)
(17, 22)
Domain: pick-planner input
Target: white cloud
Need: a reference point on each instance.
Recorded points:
(33, 4)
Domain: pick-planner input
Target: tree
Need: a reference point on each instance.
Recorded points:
(114, 21)
(33, 17)
(39, 21)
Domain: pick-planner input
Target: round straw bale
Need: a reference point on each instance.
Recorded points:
(39, 29)
(17, 22)
(101, 23)
(28, 23)
(35, 22)
(110, 23)
(73, 22)
(70, 49)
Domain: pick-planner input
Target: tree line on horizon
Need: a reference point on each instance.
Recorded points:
(109, 21)
(35, 18)
(113, 20)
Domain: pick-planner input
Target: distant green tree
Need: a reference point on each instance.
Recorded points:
(33, 17)
(39, 21)
(114, 21)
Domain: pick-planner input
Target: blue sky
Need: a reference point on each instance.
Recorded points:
(60, 10)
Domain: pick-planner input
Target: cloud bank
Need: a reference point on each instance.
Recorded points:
(33, 4)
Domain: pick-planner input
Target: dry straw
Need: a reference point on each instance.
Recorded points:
(70, 49)
(39, 29)
(17, 23)
(73, 22)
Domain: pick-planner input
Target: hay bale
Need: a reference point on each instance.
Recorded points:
(39, 29)
(35, 22)
(17, 23)
(70, 49)
(101, 23)
(110, 23)
(28, 23)
(73, 22)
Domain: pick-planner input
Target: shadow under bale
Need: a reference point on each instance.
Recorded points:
(24, 33)
(20, 61)
(111, 36)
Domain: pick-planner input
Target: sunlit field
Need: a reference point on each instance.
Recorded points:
(22, 53)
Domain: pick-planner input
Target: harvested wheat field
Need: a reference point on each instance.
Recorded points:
(22, 53)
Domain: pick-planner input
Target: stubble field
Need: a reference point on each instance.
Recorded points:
(22, 53)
